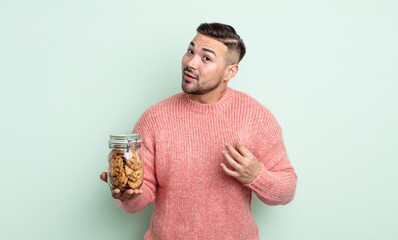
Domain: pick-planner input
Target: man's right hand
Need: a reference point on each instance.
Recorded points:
(117, 194)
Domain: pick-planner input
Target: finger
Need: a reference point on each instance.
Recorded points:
(127, 194)
(231, 161)
(229, 172)
(116, 194)
(243, 150)
(104, 176)
(235, 154)
(130, 194)
(137, 191)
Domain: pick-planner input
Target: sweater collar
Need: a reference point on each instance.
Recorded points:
(202, 108)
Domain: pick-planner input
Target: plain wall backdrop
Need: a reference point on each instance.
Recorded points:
(73, 72)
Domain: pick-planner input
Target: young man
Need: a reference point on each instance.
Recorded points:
(206, 149)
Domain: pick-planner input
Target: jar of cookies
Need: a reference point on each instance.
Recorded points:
(125, 168)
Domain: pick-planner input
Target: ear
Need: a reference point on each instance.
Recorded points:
(230, 72)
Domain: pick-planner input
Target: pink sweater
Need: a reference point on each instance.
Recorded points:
(182, 150)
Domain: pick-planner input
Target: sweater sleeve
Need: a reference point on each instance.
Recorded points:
(147, 153)
(276, 183)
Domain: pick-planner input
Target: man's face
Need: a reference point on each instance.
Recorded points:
(203, 65)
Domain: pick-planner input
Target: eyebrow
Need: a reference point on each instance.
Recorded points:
(204, 49)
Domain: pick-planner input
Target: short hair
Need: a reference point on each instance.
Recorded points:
(225, 34)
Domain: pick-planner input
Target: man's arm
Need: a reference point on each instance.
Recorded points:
(267, 171)
(131, 200)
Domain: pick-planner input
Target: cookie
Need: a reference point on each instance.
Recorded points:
(125, 169)
(135, 185)
(138, 174)
(135, 165)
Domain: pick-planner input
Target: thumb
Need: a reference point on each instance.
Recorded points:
(104, 176)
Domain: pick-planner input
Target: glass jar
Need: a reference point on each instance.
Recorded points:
(125, 170)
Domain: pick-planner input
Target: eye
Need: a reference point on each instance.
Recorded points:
(206, 58)
(190, 51)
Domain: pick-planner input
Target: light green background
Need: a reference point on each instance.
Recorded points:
(72, 72)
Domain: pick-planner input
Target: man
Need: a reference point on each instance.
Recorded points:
(206, 149)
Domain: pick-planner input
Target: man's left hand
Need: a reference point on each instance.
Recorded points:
(245, 164)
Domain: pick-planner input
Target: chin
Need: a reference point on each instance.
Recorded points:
(184, 87)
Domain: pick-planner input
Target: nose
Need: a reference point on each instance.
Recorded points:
(192, 62)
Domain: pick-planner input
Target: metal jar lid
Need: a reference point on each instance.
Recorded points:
(124, 140)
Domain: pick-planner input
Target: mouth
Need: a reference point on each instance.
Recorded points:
(189, 76)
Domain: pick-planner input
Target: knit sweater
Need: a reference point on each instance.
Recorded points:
(182, 144)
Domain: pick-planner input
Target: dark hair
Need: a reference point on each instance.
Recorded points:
(225, 34)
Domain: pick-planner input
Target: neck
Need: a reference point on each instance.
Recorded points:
(210, 97)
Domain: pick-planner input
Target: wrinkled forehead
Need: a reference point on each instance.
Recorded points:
(207, 43)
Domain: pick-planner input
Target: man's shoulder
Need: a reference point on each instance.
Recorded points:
(249, 103)
(254, 111)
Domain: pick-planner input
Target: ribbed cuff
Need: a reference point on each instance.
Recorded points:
(262, 182)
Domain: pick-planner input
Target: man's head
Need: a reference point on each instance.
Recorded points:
(211, 61)
(227, 35)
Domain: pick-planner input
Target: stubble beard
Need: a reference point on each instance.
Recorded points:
(198, 88)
